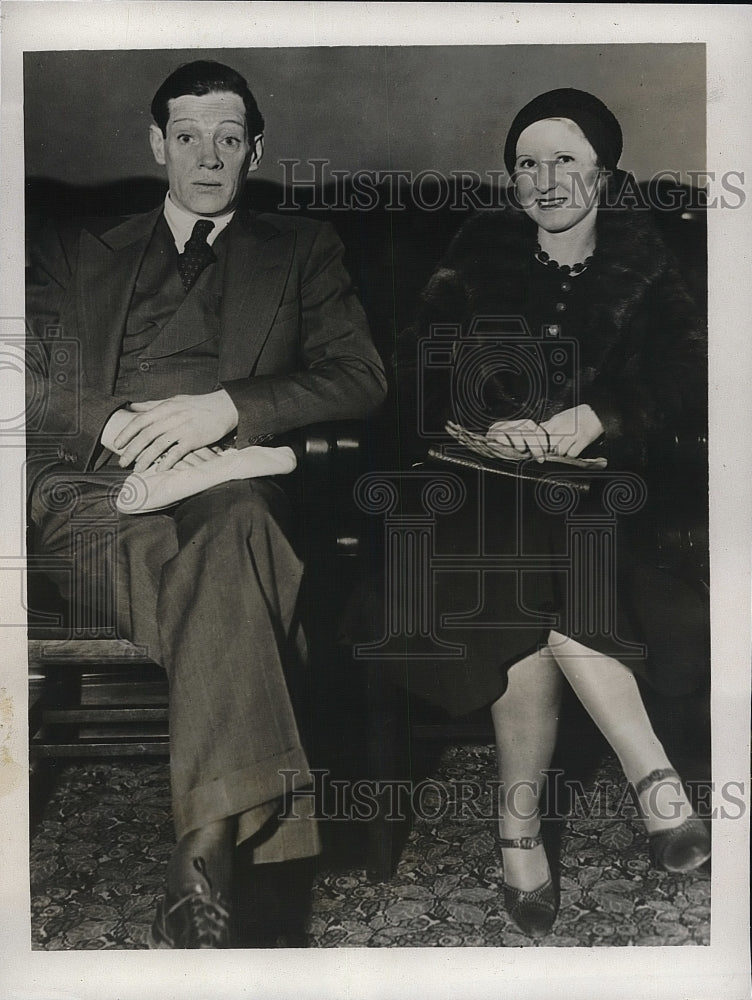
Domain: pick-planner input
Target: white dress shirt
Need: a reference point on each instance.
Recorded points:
(181, 223)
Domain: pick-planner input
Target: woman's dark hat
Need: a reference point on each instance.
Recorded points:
(599, 125)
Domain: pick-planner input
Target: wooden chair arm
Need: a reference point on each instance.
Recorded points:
(332, 459)
(331, 448)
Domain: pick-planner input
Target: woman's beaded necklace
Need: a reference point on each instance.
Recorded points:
(565, 269)
(565, 273)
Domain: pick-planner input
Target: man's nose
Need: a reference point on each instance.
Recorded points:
(209, 155)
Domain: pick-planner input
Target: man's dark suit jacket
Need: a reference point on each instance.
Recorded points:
(294, 342)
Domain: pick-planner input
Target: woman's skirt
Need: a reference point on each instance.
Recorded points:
(468, 572)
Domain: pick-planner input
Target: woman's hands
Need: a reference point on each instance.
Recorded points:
(567, 433)
(571, 431)
(524, 436)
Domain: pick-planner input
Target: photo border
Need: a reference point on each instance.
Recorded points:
(719, 971)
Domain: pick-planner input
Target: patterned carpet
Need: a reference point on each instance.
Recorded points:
(98, 860)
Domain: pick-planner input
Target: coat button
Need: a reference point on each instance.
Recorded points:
(561, 307)
(144, 366)
(566, 286)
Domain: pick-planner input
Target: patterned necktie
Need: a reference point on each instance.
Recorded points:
(197, 254)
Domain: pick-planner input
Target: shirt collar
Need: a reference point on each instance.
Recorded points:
(181, 223)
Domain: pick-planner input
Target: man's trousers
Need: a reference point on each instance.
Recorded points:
(209, 589)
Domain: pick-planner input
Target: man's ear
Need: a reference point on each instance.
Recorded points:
(258, 152)
(156, 141)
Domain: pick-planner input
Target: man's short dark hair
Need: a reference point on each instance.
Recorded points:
(205, 77)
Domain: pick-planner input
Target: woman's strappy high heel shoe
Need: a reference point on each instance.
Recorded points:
(533, 911)
(681, 848)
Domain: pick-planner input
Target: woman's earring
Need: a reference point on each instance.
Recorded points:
(603, 177)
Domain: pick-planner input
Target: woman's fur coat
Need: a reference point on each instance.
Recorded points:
(643, 349)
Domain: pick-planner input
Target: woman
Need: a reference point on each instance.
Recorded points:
(576, 262)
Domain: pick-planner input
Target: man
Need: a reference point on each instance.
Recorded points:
(198, 323)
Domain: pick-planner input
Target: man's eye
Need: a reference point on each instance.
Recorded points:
(232, 141)
(184, 138)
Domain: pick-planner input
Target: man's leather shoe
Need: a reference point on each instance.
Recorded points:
(198, 920)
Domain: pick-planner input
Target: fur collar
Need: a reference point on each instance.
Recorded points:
(487, 269)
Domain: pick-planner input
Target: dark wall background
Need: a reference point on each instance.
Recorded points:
(414, 108)
(409, 108)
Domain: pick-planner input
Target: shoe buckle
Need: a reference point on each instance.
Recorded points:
(527, 843)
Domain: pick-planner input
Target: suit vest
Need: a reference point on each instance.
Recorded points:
(171, 341)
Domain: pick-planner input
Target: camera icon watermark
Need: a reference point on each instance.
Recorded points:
(32, 371)
(474, 370)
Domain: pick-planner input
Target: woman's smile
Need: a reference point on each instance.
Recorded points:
(548, 203)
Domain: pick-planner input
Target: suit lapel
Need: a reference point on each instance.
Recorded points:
(259, 257)
(258, 263)
(106, 274)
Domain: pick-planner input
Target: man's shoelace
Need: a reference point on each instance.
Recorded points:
(206, 922)
(209, 922)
